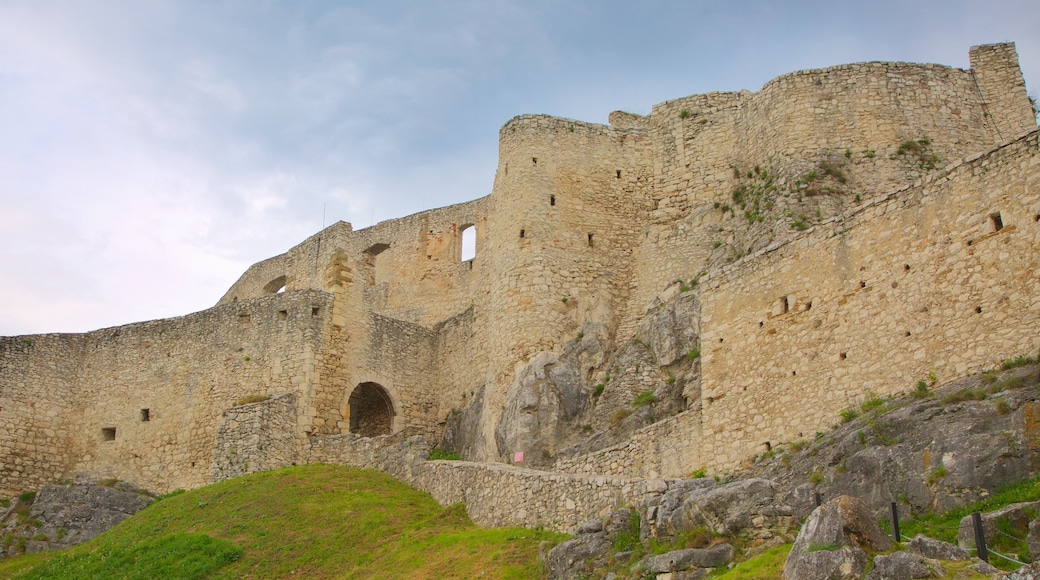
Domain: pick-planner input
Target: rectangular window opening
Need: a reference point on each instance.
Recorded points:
(619, 174)
(534, 161)
(283, 314)
(315, 311)
(590, 240)
(146, 415)
(243, 318)
(996, 221)
(521, 233)
(552, 200)
(108, 433)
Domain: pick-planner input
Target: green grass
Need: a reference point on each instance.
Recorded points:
(315, 521)
(643, 399)
(944, 526)
(765, 566)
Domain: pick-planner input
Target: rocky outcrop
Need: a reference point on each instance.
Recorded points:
(750, 506)
(947, 448)
(65, 515)
(833, 542)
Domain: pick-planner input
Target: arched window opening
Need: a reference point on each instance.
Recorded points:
(469, 243)
(371, 411)
(275, 286)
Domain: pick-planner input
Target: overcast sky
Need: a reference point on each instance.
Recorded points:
(151, 150)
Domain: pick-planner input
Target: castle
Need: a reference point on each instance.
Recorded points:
(840, 232)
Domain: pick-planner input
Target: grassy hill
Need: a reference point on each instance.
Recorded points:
(315, 521)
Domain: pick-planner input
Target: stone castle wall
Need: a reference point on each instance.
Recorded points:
(140, 402)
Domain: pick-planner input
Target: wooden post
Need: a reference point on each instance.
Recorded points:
(893, 516)
(980, 537)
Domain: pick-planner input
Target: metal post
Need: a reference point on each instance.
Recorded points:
(980, 537)
(816, 498)
(893, 516)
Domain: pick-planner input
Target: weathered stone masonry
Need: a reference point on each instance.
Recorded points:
(387, 331)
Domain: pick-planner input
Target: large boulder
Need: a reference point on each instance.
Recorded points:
(727, 509)
(577, 557)
(681, 560)
(833, 540)
(85, 510)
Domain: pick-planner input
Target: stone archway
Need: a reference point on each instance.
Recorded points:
(371, 410)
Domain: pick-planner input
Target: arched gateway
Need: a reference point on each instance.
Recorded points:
(371, 410)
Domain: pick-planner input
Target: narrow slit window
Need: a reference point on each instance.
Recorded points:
(534, 161)
(618, 174)
(522, 233)
(590, 240)
(469, 243)
(146, 415)
(552, 200)
(785, 305)
(996, 221)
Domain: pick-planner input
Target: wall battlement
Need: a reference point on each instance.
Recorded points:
(851, 231)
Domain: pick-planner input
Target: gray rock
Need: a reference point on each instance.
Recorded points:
(577, 557)
(1033, 538)
(898, 566)
(590, 527)
(843, 522)
(848, 563)
(1027, 572)
(462, 428)
(83, 511)
(673, 328)
(690, 558)
(880, 458)
(546, 395)
(1017, 516)
(936, 549)
(727, 509)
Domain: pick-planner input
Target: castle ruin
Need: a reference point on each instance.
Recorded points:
(840, 232)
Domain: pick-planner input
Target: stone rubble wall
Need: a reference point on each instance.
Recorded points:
(256, 437)
(259, 436)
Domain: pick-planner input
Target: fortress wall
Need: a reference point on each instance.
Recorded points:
(37, 389)
(917, 282)
(559, 182)
(186, 371)
(776, 376)
(799, 119)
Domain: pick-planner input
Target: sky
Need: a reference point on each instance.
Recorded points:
(151, 150)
